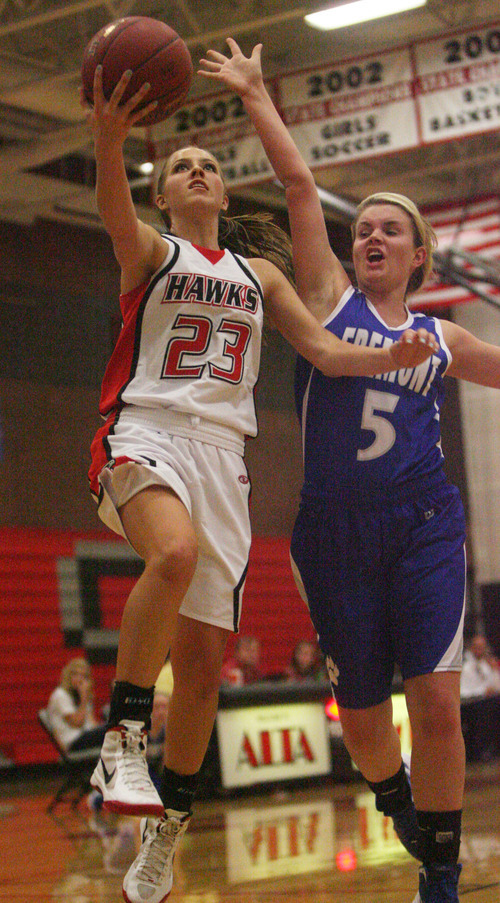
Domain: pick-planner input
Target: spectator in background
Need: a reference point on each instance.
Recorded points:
(71, 708)
(480, 695)
(480, 670)
(244, 666)
(306, 663)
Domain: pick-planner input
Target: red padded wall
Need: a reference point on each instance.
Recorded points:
(32, 649)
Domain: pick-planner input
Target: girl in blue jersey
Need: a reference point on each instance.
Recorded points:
(167, 466)
(378, 545)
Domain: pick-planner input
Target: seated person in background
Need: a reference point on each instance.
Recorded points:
(244, 666)
(480, 670)
(306, 663)
(71, 708)
(480, 696)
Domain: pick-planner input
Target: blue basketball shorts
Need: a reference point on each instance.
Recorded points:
(385, 586)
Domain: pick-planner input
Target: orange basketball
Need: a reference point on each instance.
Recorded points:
(154, 53)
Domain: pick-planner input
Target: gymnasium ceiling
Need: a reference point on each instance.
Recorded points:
(45, 155)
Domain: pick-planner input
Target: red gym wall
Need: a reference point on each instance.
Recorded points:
(32, 638)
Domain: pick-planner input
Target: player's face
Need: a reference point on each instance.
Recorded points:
(192, 178)
(384, 252)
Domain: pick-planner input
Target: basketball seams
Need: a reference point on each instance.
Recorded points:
(154, 53)
(113, 46)
(146, 62)
(115, 35)
(95, 46)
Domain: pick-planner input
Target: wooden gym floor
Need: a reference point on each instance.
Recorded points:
(320, 844)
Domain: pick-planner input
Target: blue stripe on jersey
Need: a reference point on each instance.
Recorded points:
(369, 435)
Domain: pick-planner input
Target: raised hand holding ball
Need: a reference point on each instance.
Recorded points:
(152, 51)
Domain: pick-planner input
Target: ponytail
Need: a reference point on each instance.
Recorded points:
(253, 235)
(256, 235)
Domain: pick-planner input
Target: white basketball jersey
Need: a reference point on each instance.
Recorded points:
(191, 339)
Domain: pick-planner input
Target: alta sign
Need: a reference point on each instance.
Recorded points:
(272, 743)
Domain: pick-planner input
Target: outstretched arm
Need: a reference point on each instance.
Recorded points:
(473, 360)
(321, 278)
(138, 247)
(326, 351)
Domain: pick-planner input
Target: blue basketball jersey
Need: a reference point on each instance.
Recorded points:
(371, 435)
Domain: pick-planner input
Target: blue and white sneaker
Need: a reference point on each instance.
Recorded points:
(438, 884)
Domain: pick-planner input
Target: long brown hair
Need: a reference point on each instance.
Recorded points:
(257, 235)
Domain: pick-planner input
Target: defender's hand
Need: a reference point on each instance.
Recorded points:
(238, 72)
(413, 347)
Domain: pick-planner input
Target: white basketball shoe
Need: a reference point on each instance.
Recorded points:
(122, 775)
(150, 877)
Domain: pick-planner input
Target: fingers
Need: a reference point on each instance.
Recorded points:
(143, 112)
(420, 336)
(217, 57)
(97, 89)
(256, 53)
(210, 66)
(213, 66)
(217, 63)
(427, 338)
(414, 347)
(233, 46)
(127, 109)
(119, 89)
(136, 99)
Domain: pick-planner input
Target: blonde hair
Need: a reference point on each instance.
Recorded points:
(423, 233)
(75, 664)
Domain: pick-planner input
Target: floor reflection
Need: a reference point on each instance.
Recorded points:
(319, 844)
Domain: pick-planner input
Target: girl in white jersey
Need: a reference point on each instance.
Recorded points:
(167, 466)
(379, 540)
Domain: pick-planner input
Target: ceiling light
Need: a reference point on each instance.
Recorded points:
(146, 168)
(359, 11)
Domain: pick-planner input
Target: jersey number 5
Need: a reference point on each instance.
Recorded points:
(385, 434)
(183, 354)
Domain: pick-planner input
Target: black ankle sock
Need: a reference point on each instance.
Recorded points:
(393, 794)
(440, 836)
(130, 703)
(177, 791)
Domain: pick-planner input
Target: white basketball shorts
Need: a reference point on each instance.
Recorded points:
(211, 481)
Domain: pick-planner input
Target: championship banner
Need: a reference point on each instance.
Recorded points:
(354, 109)
(351, 110)
(458, 84)
(220, 124)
